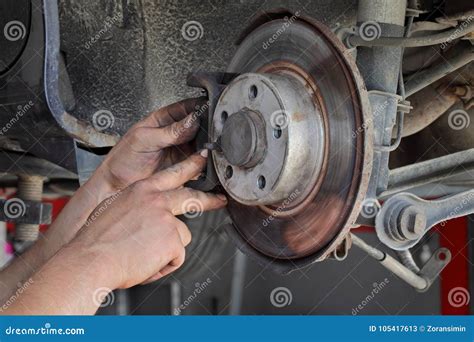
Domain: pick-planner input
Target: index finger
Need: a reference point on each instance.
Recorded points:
(187, 200)
(178, 174)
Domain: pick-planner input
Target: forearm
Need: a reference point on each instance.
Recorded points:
(71, 282)
(63, 229)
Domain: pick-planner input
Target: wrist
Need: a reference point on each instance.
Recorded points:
(99, 186)
(88, 265)
(71, 282)
(74, 215)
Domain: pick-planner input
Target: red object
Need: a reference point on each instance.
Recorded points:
(455, 277)
(58, 205)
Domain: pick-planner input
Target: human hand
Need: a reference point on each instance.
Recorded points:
(147, 147)
(159, 140)
(137, 235)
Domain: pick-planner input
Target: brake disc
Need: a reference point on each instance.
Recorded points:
(295, 142)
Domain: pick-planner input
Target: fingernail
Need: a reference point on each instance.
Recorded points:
(222, 197)
(204, 153)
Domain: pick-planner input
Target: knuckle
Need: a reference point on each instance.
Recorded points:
(186, 232)
(181, 259)
(162, 200)
(175, 248)
(133, 135)
(188, 192)
(141, 187)
(175, 169)
(169, 219)
(175, 131)
(180, 251)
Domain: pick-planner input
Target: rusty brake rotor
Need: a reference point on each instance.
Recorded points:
(294, 158)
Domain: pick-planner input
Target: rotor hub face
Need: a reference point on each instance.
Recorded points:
(271, 133)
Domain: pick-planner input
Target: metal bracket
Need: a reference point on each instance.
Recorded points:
(387, 110)
(433, 267)
(422, 280)
(342, 251)
(405, 218)
(213, 83)
(24, 211)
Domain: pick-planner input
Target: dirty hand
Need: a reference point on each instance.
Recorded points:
(130, 238)
(152, 144)
(159, 140)
(138, 236)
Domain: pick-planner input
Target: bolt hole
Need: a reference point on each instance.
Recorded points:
(229, 172)
(340, 254)
(261, 182)
(277, 132)
(253, 92)
(224, 116)
(442, 256)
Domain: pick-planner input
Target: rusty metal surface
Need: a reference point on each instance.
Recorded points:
(290, 161)
(325, 221)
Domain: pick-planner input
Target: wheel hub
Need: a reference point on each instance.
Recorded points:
(272, 139)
